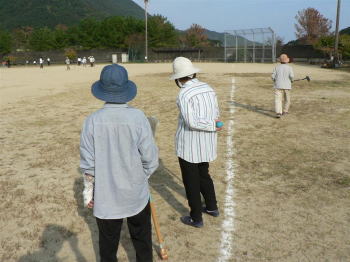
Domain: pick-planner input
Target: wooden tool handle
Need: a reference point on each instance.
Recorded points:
(156, 223)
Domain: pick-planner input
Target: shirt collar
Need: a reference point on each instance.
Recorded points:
(191, 82)
(106, 105)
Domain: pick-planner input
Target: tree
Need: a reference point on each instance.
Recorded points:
(326, 44)
(41, 39)
(161, 32)
(70, 53)
(60, 38)
(195, 37)
(88, 33)
(345, 45)
(345, 31)
(5, 42)
(21, 37)
(311, 25)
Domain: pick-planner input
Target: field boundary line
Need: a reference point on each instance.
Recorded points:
(227, 226)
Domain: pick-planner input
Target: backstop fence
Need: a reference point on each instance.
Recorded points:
(257, 45)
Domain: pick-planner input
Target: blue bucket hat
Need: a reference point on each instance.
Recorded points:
(114, 85)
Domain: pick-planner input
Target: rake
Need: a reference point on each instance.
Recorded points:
(308, 78)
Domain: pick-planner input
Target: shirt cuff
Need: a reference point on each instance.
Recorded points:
(91, 172)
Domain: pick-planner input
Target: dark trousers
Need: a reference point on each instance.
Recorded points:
(197, 181)
(140, 229)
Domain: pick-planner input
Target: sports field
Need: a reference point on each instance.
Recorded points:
(290, 176)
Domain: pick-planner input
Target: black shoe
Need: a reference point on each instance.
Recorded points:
(278, 115)
(187, 220)
(214, 213)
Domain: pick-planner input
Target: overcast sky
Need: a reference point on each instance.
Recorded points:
(221, 15)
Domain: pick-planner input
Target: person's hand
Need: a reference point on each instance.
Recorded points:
(91, 204)
(218, 128)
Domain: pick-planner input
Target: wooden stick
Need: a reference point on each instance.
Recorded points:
(163, 252)
(153, 121)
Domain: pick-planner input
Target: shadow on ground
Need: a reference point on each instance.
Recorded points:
(256, 109)
(51, 243)
(89, 219)
(166, 183)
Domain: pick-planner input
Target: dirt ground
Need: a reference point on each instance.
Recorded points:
(292, 175)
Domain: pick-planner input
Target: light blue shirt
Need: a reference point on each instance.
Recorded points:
(118, 148)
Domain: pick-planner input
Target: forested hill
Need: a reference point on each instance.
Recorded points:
(40, 13)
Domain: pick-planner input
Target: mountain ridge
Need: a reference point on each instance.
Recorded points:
(40, 13)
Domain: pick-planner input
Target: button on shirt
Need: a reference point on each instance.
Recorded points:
(196, 137)
(117, 147)
(283, 76)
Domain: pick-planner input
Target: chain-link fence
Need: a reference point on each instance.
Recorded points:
(256, 45)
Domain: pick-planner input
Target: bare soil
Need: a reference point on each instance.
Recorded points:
(292, 182)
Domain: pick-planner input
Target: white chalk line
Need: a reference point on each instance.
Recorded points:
(226, 248)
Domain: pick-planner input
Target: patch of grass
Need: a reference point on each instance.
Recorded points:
(343, 181)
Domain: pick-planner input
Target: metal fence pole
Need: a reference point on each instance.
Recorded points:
(253, 48)
(225, 48)
(236, 45)
(273, 47)
(263, 49)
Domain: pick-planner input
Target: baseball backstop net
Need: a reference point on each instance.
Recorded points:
(257, 45)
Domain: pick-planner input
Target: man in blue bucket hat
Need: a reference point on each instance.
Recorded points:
(118, 155)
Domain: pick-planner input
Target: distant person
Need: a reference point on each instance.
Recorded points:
(117, 156)
(79, 61)
(8, 63)
(92, 61)
(67, 61)
(34, 62)
(27, 62)
(41, 62)
(282, 76)
(48, 60)
(84, 61)
(196, 139)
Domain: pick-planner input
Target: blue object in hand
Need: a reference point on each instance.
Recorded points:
(219, 124)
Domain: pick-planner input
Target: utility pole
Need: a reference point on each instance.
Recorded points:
(146, 31)
(336, 55)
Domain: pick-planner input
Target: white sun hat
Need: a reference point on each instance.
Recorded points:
(183, 67)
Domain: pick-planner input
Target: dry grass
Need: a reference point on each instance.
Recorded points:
(293, 173)
(292, 179)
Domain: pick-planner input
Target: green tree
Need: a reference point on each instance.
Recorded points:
(41, 39)
(115, 31)
(21, 37)
(60, 38)
(5, 42)
(88, 33)
(161, 32)
(345, 46)
(326, 44)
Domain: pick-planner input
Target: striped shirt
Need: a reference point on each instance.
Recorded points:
(196, 137)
